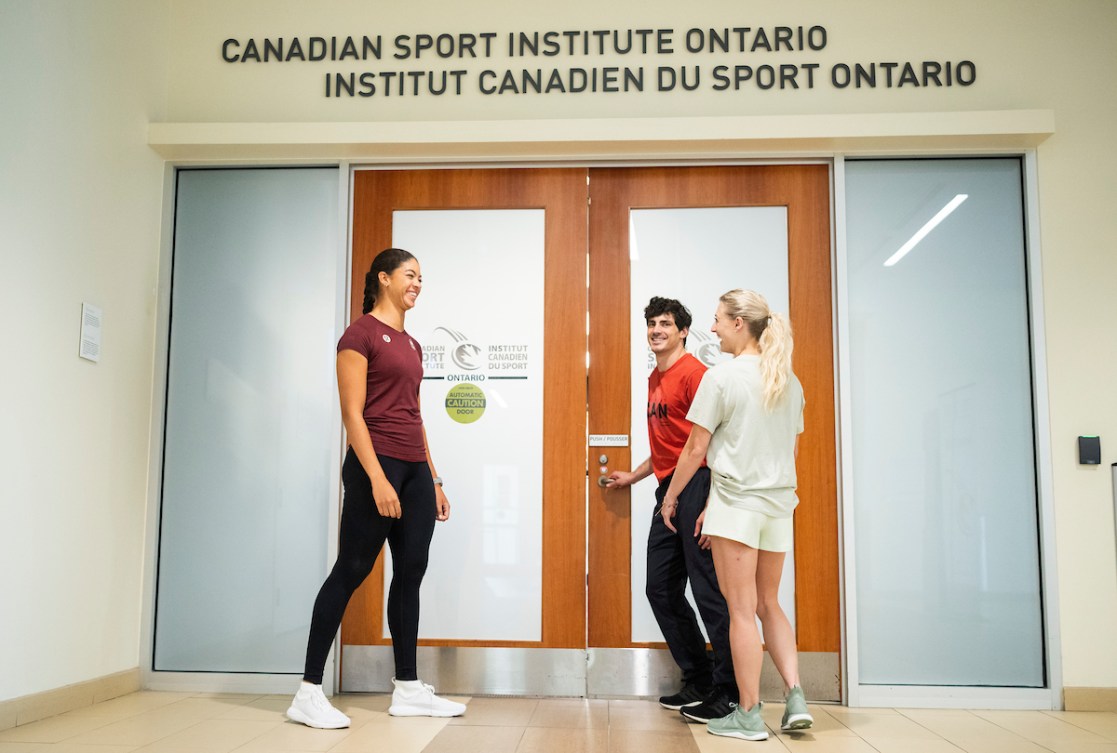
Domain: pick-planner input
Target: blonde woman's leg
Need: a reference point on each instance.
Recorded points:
(735, 564)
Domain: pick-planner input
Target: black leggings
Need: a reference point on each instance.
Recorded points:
(363, 532)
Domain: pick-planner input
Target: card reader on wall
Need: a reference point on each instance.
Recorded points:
(1089, 450)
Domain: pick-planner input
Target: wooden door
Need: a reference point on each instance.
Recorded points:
(804, 191)
(562, 196)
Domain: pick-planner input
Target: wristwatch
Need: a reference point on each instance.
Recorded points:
(437, 480)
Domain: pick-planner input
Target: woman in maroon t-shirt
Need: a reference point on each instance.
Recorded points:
(391, 492)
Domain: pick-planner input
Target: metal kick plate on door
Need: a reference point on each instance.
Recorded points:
(608, 440)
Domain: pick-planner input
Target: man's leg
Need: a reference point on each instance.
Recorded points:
(707, 595)
(666, 591)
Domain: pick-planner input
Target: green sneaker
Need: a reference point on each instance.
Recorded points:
(795, 714)
(744, 725)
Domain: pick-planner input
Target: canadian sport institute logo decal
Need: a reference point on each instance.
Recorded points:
(471, 364)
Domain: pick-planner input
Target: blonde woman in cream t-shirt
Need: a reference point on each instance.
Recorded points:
(747, 416)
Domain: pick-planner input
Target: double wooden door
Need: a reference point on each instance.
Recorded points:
(586, 550)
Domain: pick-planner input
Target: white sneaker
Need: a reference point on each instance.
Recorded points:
(310, 707)
(416, 698)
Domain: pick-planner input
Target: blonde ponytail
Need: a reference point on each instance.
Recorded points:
(772, 332)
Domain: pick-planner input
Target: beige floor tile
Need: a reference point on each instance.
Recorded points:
(263, 709)
(874, 727)
(369, 701)
(1048, 731)
(291, 736)
(544, 739)
(22, 747)
(570, 713)
(52, 730)
(1102, 723)
(842, 712)
(1074, 747)
(136, 731)
(66, 747)
(134, 703)
(398, 735)
(998, 744)
(708, 743)
(833, 744)
(497, 712)
(475, 739)
(907, 745)
(954, 724)
(644, 715)
(824, 723)
(212, 736)
(651, 741)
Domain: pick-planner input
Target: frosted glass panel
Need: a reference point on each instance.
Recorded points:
(943, 454)
(481, 328)
(251, 419)
(694, 255)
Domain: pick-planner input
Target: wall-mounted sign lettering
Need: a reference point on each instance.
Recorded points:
(576, 61)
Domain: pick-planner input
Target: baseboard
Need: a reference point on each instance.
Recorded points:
(32, 708)
(1090, 699)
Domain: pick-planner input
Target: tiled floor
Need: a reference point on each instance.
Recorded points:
(196, 723)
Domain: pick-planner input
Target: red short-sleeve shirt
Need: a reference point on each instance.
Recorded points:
(669, 396)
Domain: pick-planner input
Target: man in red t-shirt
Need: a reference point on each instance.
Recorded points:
(708, 687)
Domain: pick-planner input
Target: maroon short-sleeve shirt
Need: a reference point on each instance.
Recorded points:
(395, 371)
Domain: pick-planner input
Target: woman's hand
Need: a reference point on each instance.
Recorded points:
(703, 540)
(386, 498)
(441, 504)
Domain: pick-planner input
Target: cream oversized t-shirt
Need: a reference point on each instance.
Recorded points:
(752, 452)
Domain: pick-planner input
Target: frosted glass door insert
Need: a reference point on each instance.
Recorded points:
(252, 426)
(694, 256)
(480, 324)
(944, 479)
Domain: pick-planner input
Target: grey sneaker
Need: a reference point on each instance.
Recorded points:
(744, 725)
(795, 714)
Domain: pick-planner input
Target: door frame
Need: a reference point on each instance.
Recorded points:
(491, 666)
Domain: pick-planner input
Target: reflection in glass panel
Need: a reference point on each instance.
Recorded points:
(251, 423)
(694, 255)
(943, 454)
(482, 398)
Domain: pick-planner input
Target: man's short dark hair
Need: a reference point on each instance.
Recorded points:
(658, 306)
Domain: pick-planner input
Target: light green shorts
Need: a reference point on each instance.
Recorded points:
(749, 527)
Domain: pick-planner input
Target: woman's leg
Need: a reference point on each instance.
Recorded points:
(362, 535)
(779, 638)
(735, 564)
(409, 541)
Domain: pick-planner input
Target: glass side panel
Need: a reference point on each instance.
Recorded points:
(251, 427)
(943, 454)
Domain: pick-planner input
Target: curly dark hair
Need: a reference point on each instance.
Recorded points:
(658, 306)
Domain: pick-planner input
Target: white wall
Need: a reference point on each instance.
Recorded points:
(80, 214)
(80, 209)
